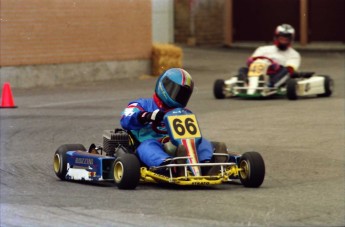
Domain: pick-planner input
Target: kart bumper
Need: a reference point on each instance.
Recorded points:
(238, 88)
(228, 172)
(248, 92)
(88, 167)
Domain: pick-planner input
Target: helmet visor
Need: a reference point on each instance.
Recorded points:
(177, 92)
(283, 36)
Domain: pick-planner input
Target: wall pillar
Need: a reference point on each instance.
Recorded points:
(303, 22)
(228, 22)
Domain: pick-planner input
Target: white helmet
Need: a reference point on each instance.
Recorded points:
(284, 30)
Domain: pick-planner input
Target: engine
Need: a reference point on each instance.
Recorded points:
(113, 139)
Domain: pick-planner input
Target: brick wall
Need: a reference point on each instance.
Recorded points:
(181, 21)
(207, 18)
(72, 31)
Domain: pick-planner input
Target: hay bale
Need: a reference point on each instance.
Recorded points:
(165, 56)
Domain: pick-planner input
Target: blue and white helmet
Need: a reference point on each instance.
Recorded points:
(174, 87)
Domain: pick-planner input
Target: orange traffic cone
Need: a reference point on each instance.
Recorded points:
(7, 100)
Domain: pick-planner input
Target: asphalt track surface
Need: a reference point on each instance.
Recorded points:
(302, 143)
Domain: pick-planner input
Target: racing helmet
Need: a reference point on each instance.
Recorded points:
(286, 31)
(174, 87)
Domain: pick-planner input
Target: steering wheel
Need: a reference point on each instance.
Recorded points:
(155, 127)
(274, 66)
(264, 57)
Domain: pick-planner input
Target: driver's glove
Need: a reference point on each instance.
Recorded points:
(155, 116)
(249, 61)
(291, 70)
(274, 68)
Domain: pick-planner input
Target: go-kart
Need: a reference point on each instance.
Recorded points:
(117, 161)
(256, 83)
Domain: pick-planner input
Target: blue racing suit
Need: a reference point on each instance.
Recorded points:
(150, 150)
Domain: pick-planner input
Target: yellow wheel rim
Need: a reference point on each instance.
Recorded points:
(118, 172)
(244, 165)
(57, 163)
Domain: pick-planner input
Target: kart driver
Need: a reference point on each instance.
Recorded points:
(173, 89)
(286, 59)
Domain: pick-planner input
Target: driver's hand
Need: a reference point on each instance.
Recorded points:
(155, 116)
(274, 68)
(290, 69)
(249, 61)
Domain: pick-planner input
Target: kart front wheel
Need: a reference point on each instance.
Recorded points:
(328, 85)
(126, 171)
(60, 158)
(291, 89)
(218, 89)
(252, 169)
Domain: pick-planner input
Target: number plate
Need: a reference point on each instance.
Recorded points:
(184, 126)
(257, 69)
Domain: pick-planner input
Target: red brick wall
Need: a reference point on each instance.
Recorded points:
(66, 31)
(181, 21)
(208, 20)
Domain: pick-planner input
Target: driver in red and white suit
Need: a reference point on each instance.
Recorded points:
(286, 59)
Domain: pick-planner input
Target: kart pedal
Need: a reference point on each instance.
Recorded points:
(181, 152)
(219, 147)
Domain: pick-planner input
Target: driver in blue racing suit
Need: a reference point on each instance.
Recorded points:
(173, 89)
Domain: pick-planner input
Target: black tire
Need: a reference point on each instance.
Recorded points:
(291, 89)
(60, 159)
(253, 169)
(218, 89)
(329, 85)
(126, 171)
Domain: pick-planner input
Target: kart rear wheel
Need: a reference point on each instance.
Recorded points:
(252, 172)
(126, 171)
(328, 85)
(218, 88)
(60, 158)
(291, 89)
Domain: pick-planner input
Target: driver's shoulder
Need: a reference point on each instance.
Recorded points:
(142, 101)
(294, 51)
(264, 50)
(267, 47)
